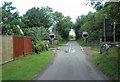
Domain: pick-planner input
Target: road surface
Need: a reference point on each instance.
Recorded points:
(71, 63)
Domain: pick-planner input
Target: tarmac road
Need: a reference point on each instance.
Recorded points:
(71, 64)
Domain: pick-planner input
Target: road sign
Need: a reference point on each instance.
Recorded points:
(108, 28)
(85, 35)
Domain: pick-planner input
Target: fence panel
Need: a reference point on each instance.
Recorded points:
(0, 49)
(27, 45)
(18, 45)
(13, 47)
(22, 45)
(7, 48)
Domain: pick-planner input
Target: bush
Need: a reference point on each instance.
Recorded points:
(59, 37)
(40, 46)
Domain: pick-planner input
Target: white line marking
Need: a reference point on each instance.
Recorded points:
(81, 48)
(69, 47)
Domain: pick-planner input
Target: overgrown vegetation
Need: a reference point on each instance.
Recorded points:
(27, 67)
(34, 20)
(108, 62)
(40, 46)
(59, 38)
(88, 44)
(82, 42)
(93, 22)
(35, 23)
(97, 49)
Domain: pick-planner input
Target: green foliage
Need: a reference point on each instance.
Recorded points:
(40, 46)
(112, 10)
(8, 6)
(59, 37)
(36, 33)
(81, 42)
(37, 17)
(95, 49)
(26, 68)
(10, 20)
(64, 26)
(93, 22)
(108, 63)
(87, 23)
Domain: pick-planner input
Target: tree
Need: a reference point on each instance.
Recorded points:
(37, 17)
(93, 22)
(36, 33)
(61, 24)
(10, 20)
(64, 26)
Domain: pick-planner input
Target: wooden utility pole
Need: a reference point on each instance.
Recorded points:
(104, 31)
(114, 31)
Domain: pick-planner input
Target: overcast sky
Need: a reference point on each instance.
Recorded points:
(71, 8)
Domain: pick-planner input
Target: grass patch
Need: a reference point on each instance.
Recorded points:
(82, 43)
(27, 67)
(61, 44)
(95, 49)
(108, 63)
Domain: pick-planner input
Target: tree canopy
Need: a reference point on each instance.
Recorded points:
(45, 17)
(41, 18)
(10, 20)
(93, 23)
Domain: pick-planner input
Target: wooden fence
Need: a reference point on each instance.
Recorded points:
(14, 47)
(27, 45)
(7, 48)
(22, 45)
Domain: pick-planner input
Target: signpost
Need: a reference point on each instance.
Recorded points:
(108, 30)
(85, 35)
(52, 37)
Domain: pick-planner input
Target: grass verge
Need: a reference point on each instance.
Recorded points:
(27, 67)
(108, 63)
(96, 49)
(82, 43)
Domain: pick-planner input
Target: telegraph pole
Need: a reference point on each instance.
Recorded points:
(114, 31)
(104, 32)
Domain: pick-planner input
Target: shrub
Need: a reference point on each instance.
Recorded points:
(40, 46)
(59, 37)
